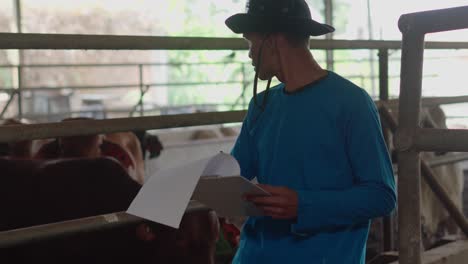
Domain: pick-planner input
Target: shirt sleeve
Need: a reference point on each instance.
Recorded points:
(373, 192)
(244, 150)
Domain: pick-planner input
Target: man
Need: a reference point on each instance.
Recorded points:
(314, 142)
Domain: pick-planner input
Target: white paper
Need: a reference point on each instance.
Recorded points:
(165, 196)
(222, 165)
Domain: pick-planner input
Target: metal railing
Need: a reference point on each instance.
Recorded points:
(157, 43)
(28, 235)
(142, 85)
(49, 41)
(411, 139)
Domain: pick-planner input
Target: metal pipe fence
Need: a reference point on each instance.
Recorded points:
(410, 139)
(68, 41)
(115, 86)
(112, 42)
(429, 176)
(29, 235)
(91, 127)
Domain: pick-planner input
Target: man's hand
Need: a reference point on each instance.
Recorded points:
(282, 204)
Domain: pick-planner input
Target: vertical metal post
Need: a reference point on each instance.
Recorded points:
(244, 86)
(409, 167)
(142, 91)
(20, 59)
(383, 73)
(383, 96)
(329, 20)
(19, 92)
(409, 209)
(371, 52)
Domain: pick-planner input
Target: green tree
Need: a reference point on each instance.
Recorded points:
(202, 18)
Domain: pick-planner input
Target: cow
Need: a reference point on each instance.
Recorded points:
(80, 176)
(150, 144)
(126, 147)
(87, 146)
(47, 191)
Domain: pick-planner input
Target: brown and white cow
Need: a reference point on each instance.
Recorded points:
(124, 147)
(81, 176)
(46, 191)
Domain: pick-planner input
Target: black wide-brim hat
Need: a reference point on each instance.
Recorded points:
(269, 16)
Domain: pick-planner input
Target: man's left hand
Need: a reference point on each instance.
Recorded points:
(282, 204)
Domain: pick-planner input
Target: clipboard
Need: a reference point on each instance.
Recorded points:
(224, 195)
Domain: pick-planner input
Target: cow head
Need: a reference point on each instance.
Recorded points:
(80, 146)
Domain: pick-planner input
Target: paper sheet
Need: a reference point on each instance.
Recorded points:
(165, 196)
(222, 165)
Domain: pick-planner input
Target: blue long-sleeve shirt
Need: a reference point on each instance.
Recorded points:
(324, 142)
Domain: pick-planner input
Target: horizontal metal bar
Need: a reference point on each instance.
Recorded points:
(121, 110)
(116, 86)
(149, 64)
(451, 253)
(113, 42)
(25, 236)
(90, 65)
(379, 44)
(123, 86)
(435, 101)
(434, 21)
(116, 42)
(91, 127)
(431, 139)
(447, 159)
(431, 101)
(86, 127)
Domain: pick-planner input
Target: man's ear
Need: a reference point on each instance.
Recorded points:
(272, 42)
(281, 40)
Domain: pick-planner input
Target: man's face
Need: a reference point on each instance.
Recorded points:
(267, 67)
